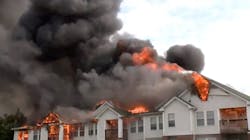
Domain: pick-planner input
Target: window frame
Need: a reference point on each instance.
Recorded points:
(200, 118)
(153, 123)
(160, 122)
(81, 130)
(91, 129)
(133, 127)
(210, 118)
(140, 126)
(171, 120)
(36, 134)
(95, 125)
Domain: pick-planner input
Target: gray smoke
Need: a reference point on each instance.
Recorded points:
(187, 56)
(65, 56)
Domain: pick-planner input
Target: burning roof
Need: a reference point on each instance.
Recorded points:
(66, 56)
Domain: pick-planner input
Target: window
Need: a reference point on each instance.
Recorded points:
(153, 123)
(140, 125)
(171, 120)
(210, 118)
(160, 122)
(95, 129)
(36, 135)
(133, 127)
(91, 131)
(200, 118)
(82, 130)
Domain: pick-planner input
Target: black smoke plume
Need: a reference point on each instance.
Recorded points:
(187, 56)
(66, 55)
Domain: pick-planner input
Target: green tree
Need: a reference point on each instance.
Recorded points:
(9, 121)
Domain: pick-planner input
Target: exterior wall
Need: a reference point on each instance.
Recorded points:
(31, 132)
(15, 137)
(182, 119)
(137, 135)
(181, 137)
(210, 137)
(86, 133)
(148, 133)
(101, 125)
(248, 116)
(44, 134)
(217, 99)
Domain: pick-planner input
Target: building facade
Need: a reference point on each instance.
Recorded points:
(224, 116)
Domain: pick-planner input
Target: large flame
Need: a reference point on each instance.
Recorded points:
(68, 131)
(51, 118)
(202, 85)
(146, 57)
(138, 109)
(23, 135)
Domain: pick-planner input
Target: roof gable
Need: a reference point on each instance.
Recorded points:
(108, 106)
(230, 90)
(185, 103)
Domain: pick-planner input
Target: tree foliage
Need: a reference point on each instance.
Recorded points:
(9, 121)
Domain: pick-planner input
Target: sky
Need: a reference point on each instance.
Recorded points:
(220, 28)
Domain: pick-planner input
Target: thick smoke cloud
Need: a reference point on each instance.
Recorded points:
(187, 56)
(65, 56)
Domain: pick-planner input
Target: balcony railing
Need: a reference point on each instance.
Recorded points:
(112, 134)
(233, 126)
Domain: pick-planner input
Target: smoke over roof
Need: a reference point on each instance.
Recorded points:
(67, 54)
(187, 56)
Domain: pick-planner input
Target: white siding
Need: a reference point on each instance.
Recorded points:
(248, 116)
(136, 135)
(148, 133)
(44, 133)
(86, 134)
(217, 99)
(182, 119)
(15, 135)
(31, 132)
(101, 126)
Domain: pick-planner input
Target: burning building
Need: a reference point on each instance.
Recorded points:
(65, 56)
(223, 116)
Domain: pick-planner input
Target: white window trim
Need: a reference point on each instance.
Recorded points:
(156, 120)
(213, 118)
(171, 120)
(138, 125)
(205, 118)
(135, 122)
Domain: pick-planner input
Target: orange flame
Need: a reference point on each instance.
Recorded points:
(113, 124)
(67, 130)
(146, 57)
(51, 118)
(23, 135)
(97, 105)
(202, 85)
(138, 109)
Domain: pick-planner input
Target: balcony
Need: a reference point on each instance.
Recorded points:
(112, 134)
(233, 126)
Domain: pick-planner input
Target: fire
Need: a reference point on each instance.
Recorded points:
(51, 118)
(113, 124)
(146, 57)
(23, 135)
(67, 131)
(202, 85)
(100, 103)
(138, 109)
